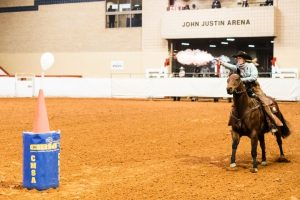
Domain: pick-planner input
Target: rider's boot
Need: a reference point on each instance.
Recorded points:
(273, 117)
(271, 125)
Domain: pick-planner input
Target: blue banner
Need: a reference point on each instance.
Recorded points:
(41, 153)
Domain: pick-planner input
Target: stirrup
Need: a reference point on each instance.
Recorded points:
(273, 127)
(273, 109)
(274, 130)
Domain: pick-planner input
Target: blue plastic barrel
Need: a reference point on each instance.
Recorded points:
(41, 160)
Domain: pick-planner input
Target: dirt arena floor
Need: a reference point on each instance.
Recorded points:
(147, 149)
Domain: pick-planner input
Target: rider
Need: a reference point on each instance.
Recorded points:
(248, 72)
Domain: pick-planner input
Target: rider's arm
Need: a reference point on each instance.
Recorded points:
(229, 66)
(253, 74)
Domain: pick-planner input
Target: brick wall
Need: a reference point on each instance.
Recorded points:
(14, 3)
(69, 31)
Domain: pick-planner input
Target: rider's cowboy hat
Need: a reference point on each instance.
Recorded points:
(244, 55)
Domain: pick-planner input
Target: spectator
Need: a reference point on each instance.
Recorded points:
(136, 20)
(187, 7)
(216, 4)
(197, 72)
(181, 75)
(194, 7)
(181, 72)
(245, 3)
(205, 71)
(111, 18)
(269, 3)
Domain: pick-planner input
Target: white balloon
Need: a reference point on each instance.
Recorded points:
(47, 60)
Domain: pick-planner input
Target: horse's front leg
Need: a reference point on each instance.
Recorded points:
(263, 149)
(254, 141)
(235, 142)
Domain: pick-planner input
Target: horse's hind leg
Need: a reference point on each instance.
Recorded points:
(263, 149)
(279, 142)
(254, 141)
(235, 143)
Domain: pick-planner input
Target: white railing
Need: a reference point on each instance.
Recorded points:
(223, 5)
(285, 73)
(286, 89)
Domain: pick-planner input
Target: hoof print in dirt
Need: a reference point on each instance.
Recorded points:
(231, 168)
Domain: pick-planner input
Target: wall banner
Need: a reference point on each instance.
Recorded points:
(219, 23)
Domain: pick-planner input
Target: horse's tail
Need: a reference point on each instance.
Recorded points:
(285, 131)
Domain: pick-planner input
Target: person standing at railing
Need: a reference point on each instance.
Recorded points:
(205, 71)
(181, 72)
(216, 4)
(111, 18)
(269, 3)
(245, 3)
(186, 7)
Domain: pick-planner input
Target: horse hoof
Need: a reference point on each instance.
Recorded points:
(254, 170)
(264, 163)
(232, 165)
(283, 159)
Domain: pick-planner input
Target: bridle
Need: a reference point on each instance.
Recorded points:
(234, 91)
(242, 91)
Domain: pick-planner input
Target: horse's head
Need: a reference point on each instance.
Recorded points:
(233, 82)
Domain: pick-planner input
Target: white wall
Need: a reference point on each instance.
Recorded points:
(287, 42)
(281, 89)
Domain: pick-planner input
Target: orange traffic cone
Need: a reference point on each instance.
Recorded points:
(41, 123)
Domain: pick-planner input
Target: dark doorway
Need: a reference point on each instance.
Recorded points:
(258, 47)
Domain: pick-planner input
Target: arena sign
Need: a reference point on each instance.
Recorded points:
(216, 23)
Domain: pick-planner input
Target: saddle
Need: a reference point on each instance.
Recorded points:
(236, 122)
(249, 89)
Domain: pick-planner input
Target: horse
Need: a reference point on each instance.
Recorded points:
(248, 119)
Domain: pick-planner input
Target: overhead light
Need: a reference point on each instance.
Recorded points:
(185, 44)
(224, 43)
(272, 41)
(212, 45)
(251, 45)
(230, 39)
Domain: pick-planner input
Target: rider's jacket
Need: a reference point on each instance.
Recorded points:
(247, 71)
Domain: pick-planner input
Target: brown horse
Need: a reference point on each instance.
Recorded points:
(249, 119)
